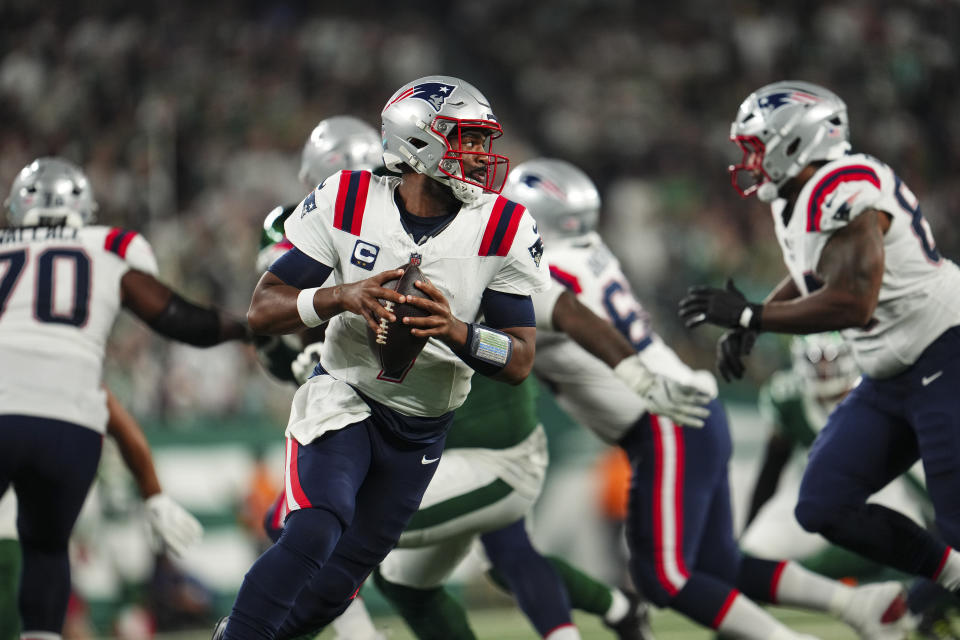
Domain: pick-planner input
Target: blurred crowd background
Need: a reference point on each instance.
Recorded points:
(189, 118)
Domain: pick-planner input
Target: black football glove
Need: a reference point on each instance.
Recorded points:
(722, 307)
(733, 346)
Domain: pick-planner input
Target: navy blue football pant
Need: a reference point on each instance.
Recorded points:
(679, 522)
(50, 464)
(873, 436)
(358, 488)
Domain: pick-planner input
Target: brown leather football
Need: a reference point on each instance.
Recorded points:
(392, 344)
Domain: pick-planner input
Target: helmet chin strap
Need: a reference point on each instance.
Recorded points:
(767, 192)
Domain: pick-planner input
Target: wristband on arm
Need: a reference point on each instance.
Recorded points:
(487, 350)
(308, 313)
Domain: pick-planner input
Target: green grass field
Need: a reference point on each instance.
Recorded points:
(509, 624)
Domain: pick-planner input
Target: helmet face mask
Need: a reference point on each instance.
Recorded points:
(561, 198)
(425, 125)
(781, 128)
(50, 191)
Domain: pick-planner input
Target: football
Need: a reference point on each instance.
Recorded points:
(392, 344)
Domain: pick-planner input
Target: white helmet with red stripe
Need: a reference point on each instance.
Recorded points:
(423, 123)
(783, 127)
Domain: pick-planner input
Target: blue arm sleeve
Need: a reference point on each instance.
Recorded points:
(507, 310)
(299, 270)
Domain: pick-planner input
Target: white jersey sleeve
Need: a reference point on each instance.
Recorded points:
(310, 227)
(543, 304)
(140, 256)
(522, 272)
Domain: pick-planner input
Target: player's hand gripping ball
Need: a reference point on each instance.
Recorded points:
(392, 343)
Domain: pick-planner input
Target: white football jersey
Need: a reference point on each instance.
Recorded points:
(59, 296)
(587, 388)
(918, 299)
(351, 223)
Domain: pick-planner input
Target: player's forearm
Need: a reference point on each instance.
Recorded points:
(133, 445)
(274, 311)
(825, 310)
(521, 361)
(597, 336)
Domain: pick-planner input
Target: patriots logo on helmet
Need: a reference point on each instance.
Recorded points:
(433, 93)
(536, 182)
(774, 101)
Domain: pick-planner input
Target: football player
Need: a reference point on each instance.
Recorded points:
(796, 403)
(363, 444)
(61, 287)
(679, 524)
(487, 480)
(861, 260)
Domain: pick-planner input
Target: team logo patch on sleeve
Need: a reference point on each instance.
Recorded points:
(364, 255)
(536, 251)
(309, 204)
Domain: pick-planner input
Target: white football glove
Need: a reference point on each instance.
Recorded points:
(682, 402)
(306, 361)
(174, 529)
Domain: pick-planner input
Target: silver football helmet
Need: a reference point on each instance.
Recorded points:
(560, 197)
(783, 127)
(825, 364)
(50, 191)
(423, 123)
(338, 143)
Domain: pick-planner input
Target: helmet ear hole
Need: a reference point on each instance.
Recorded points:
(417, 142)
(792, 149)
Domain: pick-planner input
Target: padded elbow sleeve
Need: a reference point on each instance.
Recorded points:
(186, 322)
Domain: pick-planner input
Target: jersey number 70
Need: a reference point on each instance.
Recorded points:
(48, 262)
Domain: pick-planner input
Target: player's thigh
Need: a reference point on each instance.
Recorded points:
(426, 567)
(51, 489)
(862, 447)
(327, 472)
(587, 389)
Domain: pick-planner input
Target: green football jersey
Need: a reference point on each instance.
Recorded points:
(495, 415)
(784, 405)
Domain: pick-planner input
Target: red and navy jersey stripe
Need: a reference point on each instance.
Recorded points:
(351, 201)
(568, 280)
(849, 173)
(118, 240)
(501, 227)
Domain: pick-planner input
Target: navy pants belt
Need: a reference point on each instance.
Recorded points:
(50, 464)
